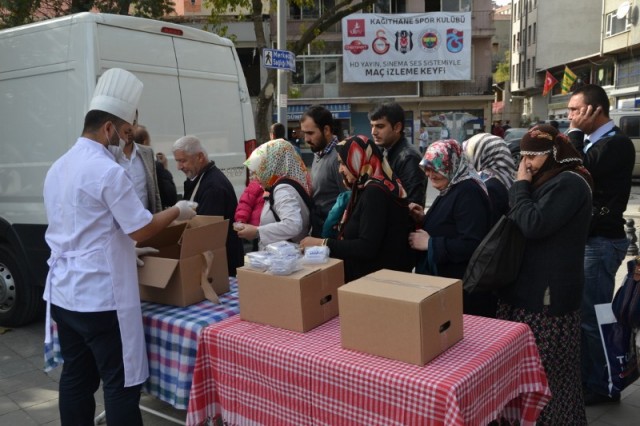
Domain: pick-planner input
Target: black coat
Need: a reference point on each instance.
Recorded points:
(554, 220)
(166, 187)
(456, 223)
(216, 197)
(610, 162)
(404, 160)
(376, 236)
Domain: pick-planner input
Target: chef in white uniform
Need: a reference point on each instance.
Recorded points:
(94, 218)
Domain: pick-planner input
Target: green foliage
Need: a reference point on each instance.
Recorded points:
(502, 69)
(20, 12)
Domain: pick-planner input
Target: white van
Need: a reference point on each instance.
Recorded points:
(193, 84)
(629, 122)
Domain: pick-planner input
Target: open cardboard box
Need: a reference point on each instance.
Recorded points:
(399, 315)
(299, 302)
(191, 264)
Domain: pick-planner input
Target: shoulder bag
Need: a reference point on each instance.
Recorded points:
(496, 261)
(626, 302)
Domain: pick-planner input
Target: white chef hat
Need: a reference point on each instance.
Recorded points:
(118, 93)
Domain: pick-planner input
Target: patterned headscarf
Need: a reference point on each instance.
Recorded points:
(365, 161)
(275, 160)
(491, 157)
(545, 139)
(446, 157)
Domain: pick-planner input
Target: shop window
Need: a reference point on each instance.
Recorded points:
(389, 6)
(456, 5)
(313, 10)
(459, 125)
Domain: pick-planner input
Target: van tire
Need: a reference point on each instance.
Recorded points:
(20, 300)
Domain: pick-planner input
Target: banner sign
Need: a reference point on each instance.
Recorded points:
(406, 47)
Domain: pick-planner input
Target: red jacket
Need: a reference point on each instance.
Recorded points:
(250, 204)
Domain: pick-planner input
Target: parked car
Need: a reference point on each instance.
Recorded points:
(512, 137)
(629, 122)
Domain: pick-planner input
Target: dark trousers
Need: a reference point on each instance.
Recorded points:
(92, 350)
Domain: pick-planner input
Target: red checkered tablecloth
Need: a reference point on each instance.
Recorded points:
(256, 374)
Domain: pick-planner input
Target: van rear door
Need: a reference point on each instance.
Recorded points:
(193, 85)
(212, 87)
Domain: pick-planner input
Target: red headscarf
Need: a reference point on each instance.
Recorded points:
(364, 160)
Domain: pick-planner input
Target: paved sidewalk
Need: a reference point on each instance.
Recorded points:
(28, 396)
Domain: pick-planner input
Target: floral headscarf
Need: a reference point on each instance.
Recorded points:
(545, 139)
(490, 157)
(365, 161)
(446, 157)
(275, 160)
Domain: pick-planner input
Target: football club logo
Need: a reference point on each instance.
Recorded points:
(356, 47)
(454, 40)
(430, 40)
(403, 41)
(380, 44)
(355, 27)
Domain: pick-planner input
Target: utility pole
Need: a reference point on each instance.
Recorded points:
(282, 74)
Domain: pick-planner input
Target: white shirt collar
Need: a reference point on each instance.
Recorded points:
(594, 137)
(600, 132)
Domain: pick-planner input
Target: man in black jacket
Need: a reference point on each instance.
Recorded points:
(609, 156)
(211, 189)
(387, 129)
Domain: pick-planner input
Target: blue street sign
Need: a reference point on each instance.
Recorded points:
(279, 59)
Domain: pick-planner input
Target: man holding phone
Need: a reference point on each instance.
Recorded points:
(609, 156)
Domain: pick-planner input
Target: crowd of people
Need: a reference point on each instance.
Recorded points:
(364, 198)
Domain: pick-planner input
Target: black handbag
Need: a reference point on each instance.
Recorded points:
(496, 261)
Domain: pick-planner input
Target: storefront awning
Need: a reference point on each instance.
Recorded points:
(339, 111)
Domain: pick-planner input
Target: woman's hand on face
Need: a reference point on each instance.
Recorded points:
(416, 211)
(248, 232)
(524, 173)
(419, 240)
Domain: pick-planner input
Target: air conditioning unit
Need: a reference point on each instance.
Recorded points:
(521, 48)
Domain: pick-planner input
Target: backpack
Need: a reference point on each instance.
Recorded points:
(303, 193)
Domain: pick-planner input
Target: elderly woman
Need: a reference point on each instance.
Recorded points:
(492, 159)
(456, 222)
(551, 201)
(283, 175)
(375, 225)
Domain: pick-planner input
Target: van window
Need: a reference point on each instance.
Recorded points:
(630, 125)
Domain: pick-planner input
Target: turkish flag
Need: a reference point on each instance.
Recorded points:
(549, 82)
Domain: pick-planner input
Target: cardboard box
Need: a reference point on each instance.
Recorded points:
(192, 255)
(403, 316)
(299, 302)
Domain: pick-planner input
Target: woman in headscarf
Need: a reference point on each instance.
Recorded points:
(374, 228)
(457, 220)
(551, 201)
(492, 159)
(284, 177)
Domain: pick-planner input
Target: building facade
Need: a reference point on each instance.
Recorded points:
(559, 36)
(462, 107)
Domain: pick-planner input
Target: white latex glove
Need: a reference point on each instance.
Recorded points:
(143, 251)
(187, 209)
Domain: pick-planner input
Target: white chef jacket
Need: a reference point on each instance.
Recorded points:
(91, 207)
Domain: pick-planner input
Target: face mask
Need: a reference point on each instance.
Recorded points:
(116, 152)
(115, 149)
